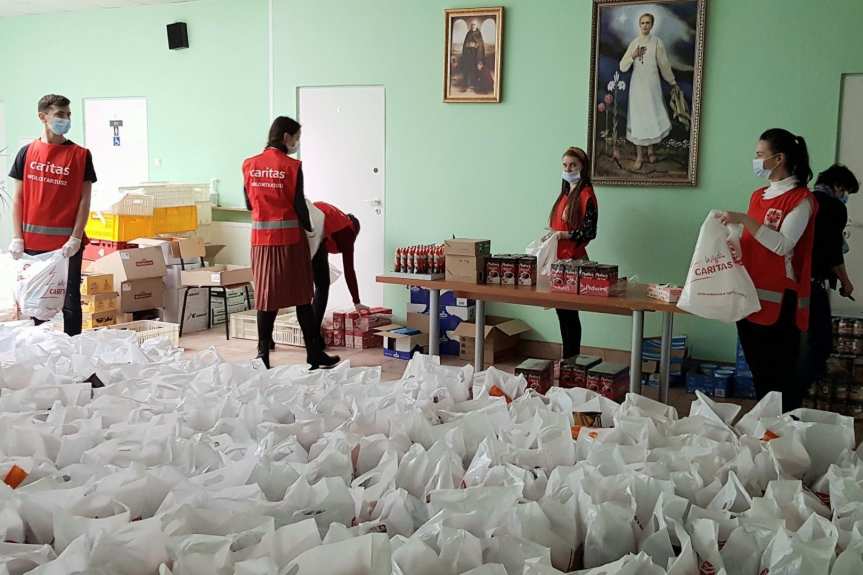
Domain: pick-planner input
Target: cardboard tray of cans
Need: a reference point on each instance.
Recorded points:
(574, 371)
(513, 270)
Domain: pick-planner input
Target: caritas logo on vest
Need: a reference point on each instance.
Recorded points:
(49, 169)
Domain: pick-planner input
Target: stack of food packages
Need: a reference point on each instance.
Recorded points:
(425, 259)
(99, 301)
(584, 277)
(840, 389)
(356, 330)
(193, 465)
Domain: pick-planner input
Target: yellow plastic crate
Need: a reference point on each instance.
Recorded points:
(175, 219)
(118, 228)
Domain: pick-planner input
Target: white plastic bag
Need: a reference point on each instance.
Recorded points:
(41, 284)
(545, 250)
(8, 309)
(366, 555)
(718, 286)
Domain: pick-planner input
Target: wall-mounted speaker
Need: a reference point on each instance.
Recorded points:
(178, 36)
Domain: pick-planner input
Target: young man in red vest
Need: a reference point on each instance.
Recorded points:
(52, 199)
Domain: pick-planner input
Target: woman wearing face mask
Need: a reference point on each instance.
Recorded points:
(779, 231)
(573, 218)
(832, 188)
(281, 263)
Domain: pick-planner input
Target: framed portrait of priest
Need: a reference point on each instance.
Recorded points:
(647, 61)
(472, 54)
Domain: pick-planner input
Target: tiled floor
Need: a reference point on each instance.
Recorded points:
(240, 350)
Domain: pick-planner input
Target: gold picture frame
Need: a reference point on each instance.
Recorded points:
(646, 91)
(474, 76)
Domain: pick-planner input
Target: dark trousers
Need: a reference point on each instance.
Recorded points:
(308, 323)
(570, 332)
(818, 343)
(321, 278)
(72, 305)
(773, 354)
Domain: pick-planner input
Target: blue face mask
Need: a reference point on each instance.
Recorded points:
(572, 177)
(844, 198)
(60, 126)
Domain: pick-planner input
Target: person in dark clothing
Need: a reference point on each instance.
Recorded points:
(832, 189)
(339, 235)
(472, 54)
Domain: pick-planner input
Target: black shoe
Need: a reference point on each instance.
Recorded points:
(324, 361)
(272, 345)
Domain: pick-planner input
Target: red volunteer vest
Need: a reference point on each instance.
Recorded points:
(335, 220)
(568, 249)
(270, 179)
(53, 181)
(767, 269)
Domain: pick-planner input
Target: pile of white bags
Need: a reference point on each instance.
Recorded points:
(191, 465)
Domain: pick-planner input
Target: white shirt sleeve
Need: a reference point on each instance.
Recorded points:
(782, 242)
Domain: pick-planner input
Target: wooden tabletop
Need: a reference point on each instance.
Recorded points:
(634, 299)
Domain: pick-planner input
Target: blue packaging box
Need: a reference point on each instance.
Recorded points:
(706, 384)
(420, 296)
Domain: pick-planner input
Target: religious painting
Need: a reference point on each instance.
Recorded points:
(472, 58)
(645, 92)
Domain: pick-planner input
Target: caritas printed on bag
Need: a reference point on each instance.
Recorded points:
(40, 289)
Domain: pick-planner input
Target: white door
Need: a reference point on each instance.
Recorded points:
(342, 149)
(850, 153)
(115, 131)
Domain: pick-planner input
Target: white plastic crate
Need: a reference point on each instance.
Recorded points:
(173, 194)
(205, 213)
(288, 334)
(244, 325)
(151, 329)
(135, 203)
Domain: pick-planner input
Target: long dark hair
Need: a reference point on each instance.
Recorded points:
(795, 151)
(278, 129)
(573, 217)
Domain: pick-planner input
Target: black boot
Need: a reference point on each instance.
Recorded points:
(266, 321)
(315, 355)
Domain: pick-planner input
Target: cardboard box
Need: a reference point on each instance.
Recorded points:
(172, 274)
(93, 283)
(508, 270)
(137, 264)
(363, 341)
(597, 280)
(401, 342)
(98, 302)
(539, 373)
(527, 271)
(465, 269)
(501, 338)
(339, 338)
(93, 320)
(467, 247)
(610, 380)
(196, 309)
(221, 275)
(376, 317)
(141, 294)
(125, 317)
(664, 292)
(448, 343)
(574, 371)
(492, 270)
(420, 297)
(176, 251)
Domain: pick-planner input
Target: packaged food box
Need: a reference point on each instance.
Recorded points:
(539, 373)
(610, 380)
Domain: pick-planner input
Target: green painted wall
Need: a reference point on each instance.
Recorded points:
(207, 106)
(486, 170)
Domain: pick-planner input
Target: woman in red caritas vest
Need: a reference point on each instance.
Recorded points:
(574, 218)
(281, 263)
(779, 231)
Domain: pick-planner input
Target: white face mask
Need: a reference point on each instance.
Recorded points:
(572, 177)
(758, 167)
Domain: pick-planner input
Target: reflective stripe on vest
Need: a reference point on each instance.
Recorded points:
(776, 297)
(47, 230)
(275, 224)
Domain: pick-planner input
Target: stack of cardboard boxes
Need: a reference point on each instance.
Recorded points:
(355, 330)
(181, 254)
(452, 312)
(99, 301)
(138, 275)
(465, 260)
(610, 380)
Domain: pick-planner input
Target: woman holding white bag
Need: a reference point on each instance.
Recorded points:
(573, 218)
(779, 231)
